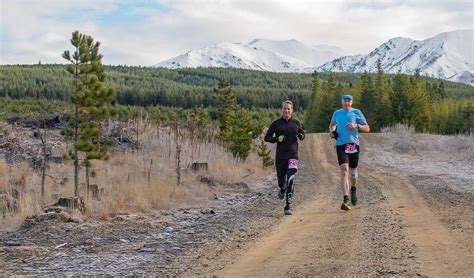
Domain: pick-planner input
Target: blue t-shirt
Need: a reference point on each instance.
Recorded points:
(341, 118)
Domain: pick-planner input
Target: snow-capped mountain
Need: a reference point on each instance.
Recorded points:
(466, 77)
(311, 55)
(448, 55)
(268, 55)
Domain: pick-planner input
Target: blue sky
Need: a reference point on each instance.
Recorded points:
(149, 31)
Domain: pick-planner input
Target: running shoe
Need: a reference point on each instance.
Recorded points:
(346, 206)
(287, 210)
(353, 197)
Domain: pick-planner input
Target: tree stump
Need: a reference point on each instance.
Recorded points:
(208, 181)
(96, 191)
(196, 166)
(72, 202)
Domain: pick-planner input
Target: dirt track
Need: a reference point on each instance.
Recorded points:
(395, 230)
(400, 228)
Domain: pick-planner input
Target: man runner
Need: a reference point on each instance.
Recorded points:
(344, 127)
(286, 131)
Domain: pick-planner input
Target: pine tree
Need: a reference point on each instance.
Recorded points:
(192, 121)
(328, 101)
(381, 113)
(367, 97)
(257, 127)
(419, 105)
(441, 91)
(467, 113)
(399, 98)
(237, 136)
(202, 122)
(236, 126)
(312, 109)
(203, 118)
(92, 101)
(225, 102)
(265, 154)
(441, 117)
(333, 94)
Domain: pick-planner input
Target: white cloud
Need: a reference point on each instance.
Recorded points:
(40, 30)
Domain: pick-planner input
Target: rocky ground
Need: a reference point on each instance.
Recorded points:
(415, 224)
(163, 242)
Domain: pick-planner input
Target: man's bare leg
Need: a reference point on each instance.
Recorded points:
(353, 178)
(345, 185)
(345, 178)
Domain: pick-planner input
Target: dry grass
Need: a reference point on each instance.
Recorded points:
(3, 174)
(404, 139)
(133, 180)
(18, 198)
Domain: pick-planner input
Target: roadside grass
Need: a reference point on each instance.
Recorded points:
(133, 180)
(404, 139)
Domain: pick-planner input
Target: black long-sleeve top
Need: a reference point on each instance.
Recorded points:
(291, 130)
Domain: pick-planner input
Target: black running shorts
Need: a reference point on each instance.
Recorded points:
(351, 158)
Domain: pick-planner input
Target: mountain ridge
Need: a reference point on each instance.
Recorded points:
(448, 55)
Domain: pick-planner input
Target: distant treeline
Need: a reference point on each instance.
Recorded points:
(408, 99)
(155, 114)
(148, 91)
(188, 88)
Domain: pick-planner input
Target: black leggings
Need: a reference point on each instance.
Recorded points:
(285, 176)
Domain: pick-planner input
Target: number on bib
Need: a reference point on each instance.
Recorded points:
(292, 163)
(350, 148)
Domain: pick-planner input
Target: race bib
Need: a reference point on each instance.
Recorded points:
(350, 148)
(292, 163)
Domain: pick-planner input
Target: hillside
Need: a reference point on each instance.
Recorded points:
(184, 88)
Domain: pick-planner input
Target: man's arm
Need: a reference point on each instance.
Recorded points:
(364, 128)
(332, 127)
(361, 123)
(269, 136)
(361, 127)
(332, 130)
